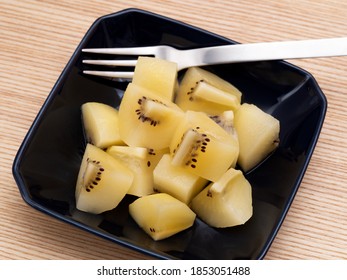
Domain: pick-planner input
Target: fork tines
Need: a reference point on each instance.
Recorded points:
(133, 51)
(110, 74)
(114, 63)
(110, 63)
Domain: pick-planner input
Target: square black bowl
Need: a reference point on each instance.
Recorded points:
(47, 163)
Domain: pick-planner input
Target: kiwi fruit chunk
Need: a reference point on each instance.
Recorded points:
(177, 180)
(161, 215)
(102, 181)
(197, 141)
(146, 119)
(101, 124)
(258, 134)
(226, 202)
(157, 75)
(137, 160)
(203, 91)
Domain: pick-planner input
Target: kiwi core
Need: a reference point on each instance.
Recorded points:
(151, 110)
(187, 152)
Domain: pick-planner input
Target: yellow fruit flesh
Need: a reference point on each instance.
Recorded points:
(225, 203)
(101, 124)
(102, 181)
(203, 91)
(155, 155)
(197, 143)
(136, 159)
(176, 180)
(226, 121)
(157, 75)
(209, 99)
(258, 134)
(161, 215)
(151, 130)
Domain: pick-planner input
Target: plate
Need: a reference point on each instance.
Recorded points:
(47, 163)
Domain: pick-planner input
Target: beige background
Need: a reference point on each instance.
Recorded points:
(37, 38)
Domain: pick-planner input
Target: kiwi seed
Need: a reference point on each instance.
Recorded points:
(151, 229)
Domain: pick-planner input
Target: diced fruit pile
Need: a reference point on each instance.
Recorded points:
(175, 147)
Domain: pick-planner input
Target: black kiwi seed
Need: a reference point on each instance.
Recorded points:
(154, 123)
(192, 165)
(151, 229)
(148, 163)
(151, 152)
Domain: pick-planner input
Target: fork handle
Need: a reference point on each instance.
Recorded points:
(272, 51)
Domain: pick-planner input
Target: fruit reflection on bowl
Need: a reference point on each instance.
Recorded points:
(48, 161)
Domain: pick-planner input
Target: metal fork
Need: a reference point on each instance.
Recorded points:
(220, 54)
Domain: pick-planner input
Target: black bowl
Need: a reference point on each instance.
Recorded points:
(48, 160)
